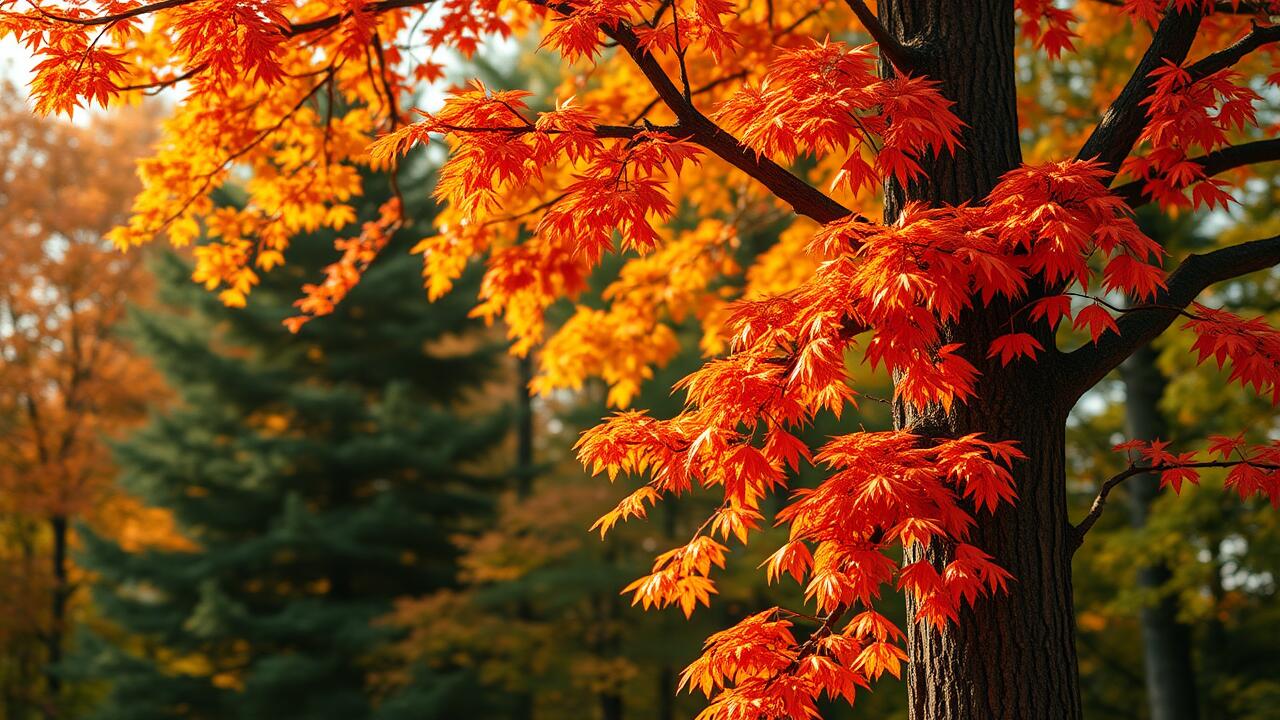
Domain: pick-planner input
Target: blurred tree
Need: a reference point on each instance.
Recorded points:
(538, 616)
(67, 377)
(1169, 589)
(319, 476)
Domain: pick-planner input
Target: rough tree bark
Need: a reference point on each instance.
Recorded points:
(1166, 643)
(1015, 657)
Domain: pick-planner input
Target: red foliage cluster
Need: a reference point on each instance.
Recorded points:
(1185, 113)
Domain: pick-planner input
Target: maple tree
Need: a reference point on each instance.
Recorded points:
(965, 292)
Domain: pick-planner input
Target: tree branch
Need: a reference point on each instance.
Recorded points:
(903, 56)
(1087, 365)
(1260, 35)
(804, 198)
(696, 91)
(1115, 135)
(162, 84)
(1113, 139)
(1214, 163)
(96, 20)
(288, 31)
(1100, 502)
(616, 132)
(1225, 7)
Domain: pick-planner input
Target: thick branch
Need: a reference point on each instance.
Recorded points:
(1090, 363)
(1226, 57)
(1221, 7)
(1115, 135)
(1214, 163)
(905, 58)
(617, 132)
(1120, 127)
(803, 197)
(1100, 502)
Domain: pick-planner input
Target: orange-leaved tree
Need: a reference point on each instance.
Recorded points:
(679, 120)
(68, 378)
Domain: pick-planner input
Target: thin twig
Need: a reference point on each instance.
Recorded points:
(1100, 502)
(705, 88)
(684, 70)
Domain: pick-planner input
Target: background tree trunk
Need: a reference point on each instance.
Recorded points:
(1166, 643)
(524, 702)
(57, 612)
(667, 684)
(1012, 656)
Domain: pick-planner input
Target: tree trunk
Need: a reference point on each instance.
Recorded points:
(524, 701)
(1166, 643)
(968, 48)
(1012, 656)
(21, 687)
(611, 706)
(666, 693)
(58, 611)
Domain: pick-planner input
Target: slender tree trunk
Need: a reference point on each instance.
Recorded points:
(29, 691)
(1217, 644)
(524, 701)
(524, 427)
(611, 706)
(1166, 643)
(667, 675)
(57, 611)
(20, 686)
(605, 644)
(666, 693)
(1011, 657)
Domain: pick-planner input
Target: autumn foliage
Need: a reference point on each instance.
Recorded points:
(69, 378)
(676, 110)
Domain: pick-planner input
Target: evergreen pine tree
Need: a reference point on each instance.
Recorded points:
(318, 476)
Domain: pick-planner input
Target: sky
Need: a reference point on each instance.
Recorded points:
(15, 63)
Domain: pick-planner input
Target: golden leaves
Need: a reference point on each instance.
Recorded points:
(341, 276)
(623, 343)
(680, 577)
